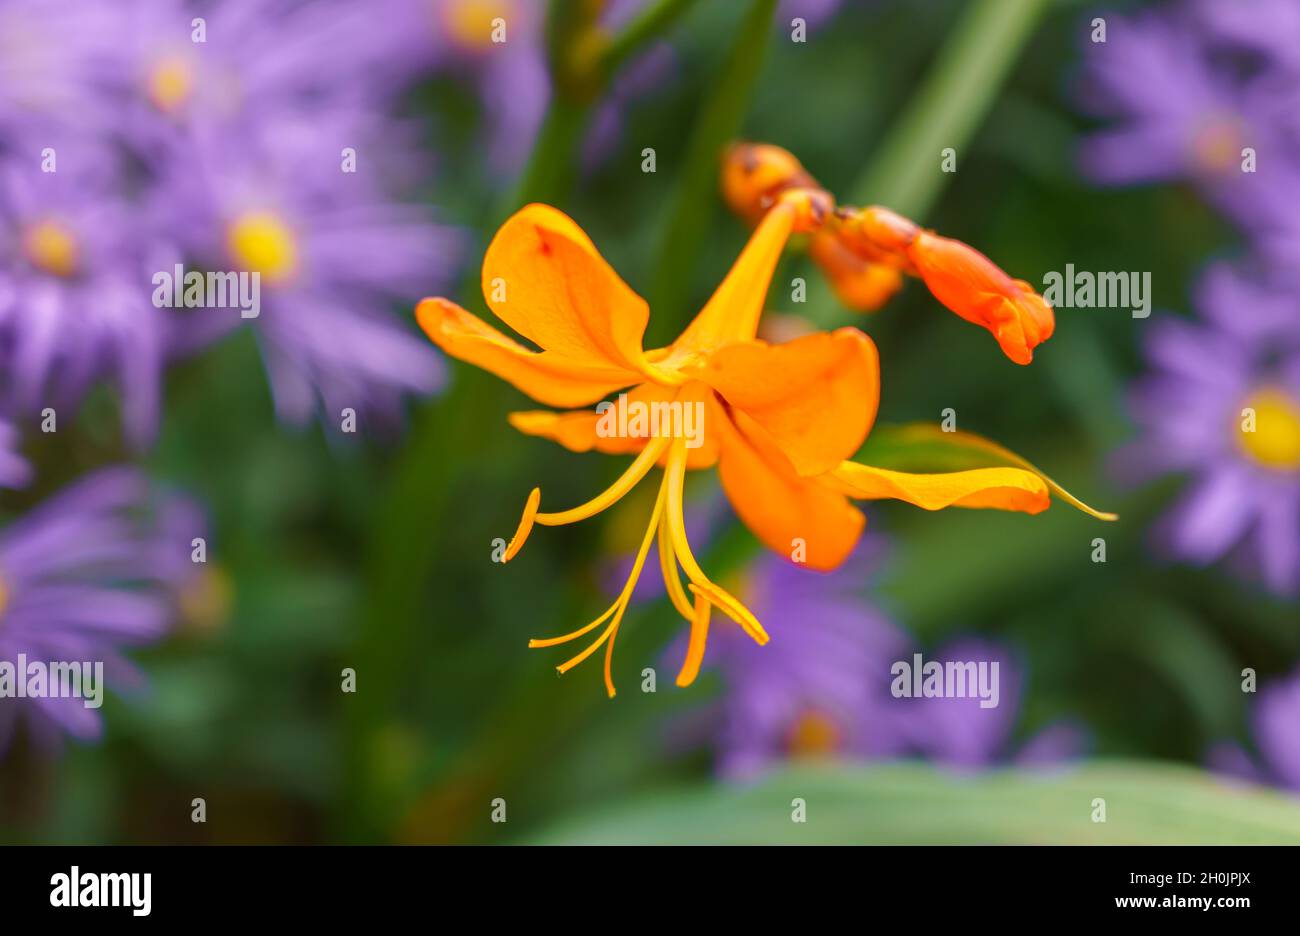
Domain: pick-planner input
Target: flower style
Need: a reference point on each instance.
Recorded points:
(864, 253)
(781, 421)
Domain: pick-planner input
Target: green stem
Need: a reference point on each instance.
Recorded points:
(651, 22)
(718, 122)
(950, 104)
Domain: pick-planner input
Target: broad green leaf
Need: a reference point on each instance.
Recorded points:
(1145, 802)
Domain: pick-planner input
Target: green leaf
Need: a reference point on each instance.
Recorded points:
(1145, 802)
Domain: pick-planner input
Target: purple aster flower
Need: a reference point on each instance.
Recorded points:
(75, 303)
(1275, 726)
(1265, 27)
(495, 46)
(84, 576)
(821, 687)
(1186, 112)
(247, 67)
(967, 734)
(333, 256)
(1222, 405)
(53, 64)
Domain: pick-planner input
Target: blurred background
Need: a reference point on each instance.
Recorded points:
(1112, 138)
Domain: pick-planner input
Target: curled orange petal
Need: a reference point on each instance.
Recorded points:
(545, 376)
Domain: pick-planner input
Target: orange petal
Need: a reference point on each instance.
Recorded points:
(582, 430)
(732, 313)
(781, 507)
(816, 396)
(920, 447)
(543, 277)
(546, 377)
(996, 488)
(970, 284)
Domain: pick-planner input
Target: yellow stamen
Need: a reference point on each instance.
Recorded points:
(611, 495)
(695, 649)
(538, 642)
(170, 83)
(260, 242)
(52, 247)
(525, 525)
(1275, 441)
(700, 583)
(617, 609)
(672, 583)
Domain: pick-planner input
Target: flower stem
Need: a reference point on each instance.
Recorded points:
(718, 122)
(949, 105)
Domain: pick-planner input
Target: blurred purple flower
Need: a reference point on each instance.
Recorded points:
(231, 129)
(1186, 110)
(1275, 726)
(1266, 27)
(821, 688)
(75, 302)
(85, 575)
(494, 45)
(333, 257)
(1193, 412)
(825, 690)
(962, 734)
(53, 63)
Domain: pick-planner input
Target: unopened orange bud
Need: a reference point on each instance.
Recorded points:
(858, 284)
(754, 174)
(974, 287)
(876, 232)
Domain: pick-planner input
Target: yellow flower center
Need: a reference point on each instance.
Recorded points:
(1216, 148)
(260, 242)
(814, 734)
(205, 601)
(469, 22)
(170, 82)
(1275, 439)
(51, 247)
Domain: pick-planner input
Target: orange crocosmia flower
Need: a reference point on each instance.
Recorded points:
(779, 421)
(864, 251)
